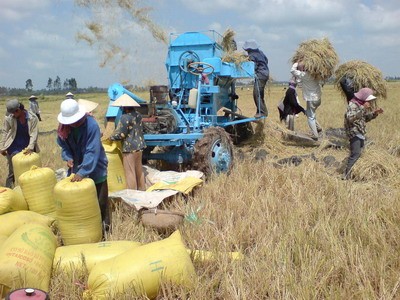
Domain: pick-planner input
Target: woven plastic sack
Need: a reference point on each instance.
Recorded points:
(11, 200)
(3, 238)
(37, 185)
(142, 269)
(68, 258)
(77, 211)
(19, 202)
(26, 258)
(13, 220)
(23, 162)
(115, 171)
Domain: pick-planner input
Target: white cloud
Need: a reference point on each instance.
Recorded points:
(15, 10)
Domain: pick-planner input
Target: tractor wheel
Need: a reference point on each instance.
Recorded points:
(213, 153)
(240, 132)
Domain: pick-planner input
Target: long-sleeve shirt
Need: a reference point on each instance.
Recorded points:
(130, 131)
(10, 127)
(355, 120)
(34, 106)
(311, 87)
(83, 146)
(260, 63)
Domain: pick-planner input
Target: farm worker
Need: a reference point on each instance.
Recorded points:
(311, 94)
(34, 106)
(89, 106)
(357, 114)
(130, 131)
(20, 132)
(262, 75)
(290, 106)
(79, 139)
(347, 85)
(69, 95)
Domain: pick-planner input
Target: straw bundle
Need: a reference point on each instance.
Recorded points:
(363, 75)
(319, 58)
(229, 46)
(375, 164)
(228, 41)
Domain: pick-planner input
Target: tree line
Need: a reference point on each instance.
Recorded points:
(54, 85)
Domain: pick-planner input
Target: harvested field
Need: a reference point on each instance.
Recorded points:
(304, 233)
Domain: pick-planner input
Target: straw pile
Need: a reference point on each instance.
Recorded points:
(363, 75)
(319, 58)
(229, 46)
(375, 164)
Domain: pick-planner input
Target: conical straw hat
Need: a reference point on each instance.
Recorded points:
(88, 105)
(125, 101)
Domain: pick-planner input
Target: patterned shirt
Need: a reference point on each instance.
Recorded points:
(130, 131)
(355, 119)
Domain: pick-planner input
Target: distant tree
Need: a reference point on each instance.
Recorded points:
(72, 84)
(66, 84)
(29, 85)
(57, 83)
(49, 83)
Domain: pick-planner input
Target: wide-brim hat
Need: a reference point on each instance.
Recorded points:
(250, 45)
(365, 94)
(71, 112)
(69, 94)
(125, 101)
(88, 105)
(32, 97)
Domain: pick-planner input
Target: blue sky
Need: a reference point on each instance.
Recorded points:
(38, 37)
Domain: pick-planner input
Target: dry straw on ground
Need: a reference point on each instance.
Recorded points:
(362, 74)
(376, 164)
(319, 58)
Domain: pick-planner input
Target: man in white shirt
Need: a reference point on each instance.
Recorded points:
(311, 94)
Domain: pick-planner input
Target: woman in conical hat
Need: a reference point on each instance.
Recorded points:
(130, 132)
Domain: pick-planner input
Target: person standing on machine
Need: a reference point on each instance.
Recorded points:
(261, 76)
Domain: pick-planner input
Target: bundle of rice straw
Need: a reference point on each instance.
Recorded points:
(229, 46)
(363, 75)
(375, 164)
(319, 58)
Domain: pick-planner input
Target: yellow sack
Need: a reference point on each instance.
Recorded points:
(142, 270)
(77, 211)
(13, 220)
(37, 185)
(71, 257)
(185, 185)
(5, 200)
(11, 201)
(3, 238)
(22, 163)
(19, 202)
(116, 179)
(26, 258)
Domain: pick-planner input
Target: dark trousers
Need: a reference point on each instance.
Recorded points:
(10, 177)
(258, 95)
(102, 196)
(356, 147)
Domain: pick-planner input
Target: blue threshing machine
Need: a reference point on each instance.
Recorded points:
(195, 118)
